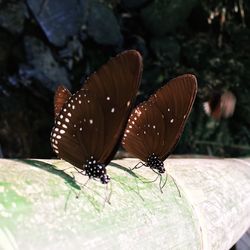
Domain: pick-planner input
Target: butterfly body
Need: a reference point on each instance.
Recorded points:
(96, 170)
(155, 163)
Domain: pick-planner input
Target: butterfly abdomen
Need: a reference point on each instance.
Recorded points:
(154, 162)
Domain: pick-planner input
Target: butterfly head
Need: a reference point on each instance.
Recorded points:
(154, 162)
(96, 170)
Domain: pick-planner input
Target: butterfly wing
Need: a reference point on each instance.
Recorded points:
(92, 121)
(62, 94)
(156, 125)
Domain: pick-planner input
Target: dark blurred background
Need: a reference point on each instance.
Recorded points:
(44, 43)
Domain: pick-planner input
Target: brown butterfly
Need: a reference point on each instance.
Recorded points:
(155, 126)
(220, 105)
(90, 123)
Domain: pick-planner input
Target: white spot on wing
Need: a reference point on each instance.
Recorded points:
(172, 120)
(112, 110)
(91, 121)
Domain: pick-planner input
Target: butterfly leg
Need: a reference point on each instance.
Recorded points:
(152, 180)
(82, 186)
(152, 169)
(176, 185)
(160, 183)
(79, 171)
(166, 179)
(138, 165)
(65, 168)
(108, 195)
(77, 194)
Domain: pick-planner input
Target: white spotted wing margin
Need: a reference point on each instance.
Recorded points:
(155, 126)
(93, 119)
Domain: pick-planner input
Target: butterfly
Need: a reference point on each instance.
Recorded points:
(89, 124)
(155, 126)
(220, 105)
